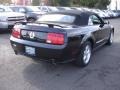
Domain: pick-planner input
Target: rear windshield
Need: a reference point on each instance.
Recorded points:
(57, 18)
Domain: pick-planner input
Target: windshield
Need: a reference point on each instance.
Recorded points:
(57, 18)
(33, 9)
(5, 9)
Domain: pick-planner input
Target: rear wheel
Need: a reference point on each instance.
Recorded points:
(31, 20)
(84, 56)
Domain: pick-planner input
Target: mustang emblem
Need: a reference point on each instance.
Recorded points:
(32, 35)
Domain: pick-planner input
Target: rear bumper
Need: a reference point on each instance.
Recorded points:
(58, 53)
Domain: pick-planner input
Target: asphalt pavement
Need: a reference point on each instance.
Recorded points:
(22, 73)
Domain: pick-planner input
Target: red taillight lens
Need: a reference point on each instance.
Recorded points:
(55, 38)
(16, 32)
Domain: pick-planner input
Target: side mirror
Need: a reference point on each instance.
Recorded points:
(101, 25)
(105, 22)
(96, 22)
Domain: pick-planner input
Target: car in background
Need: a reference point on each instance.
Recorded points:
(8, 18)
(117, 11)
(32, 13)
(64, 8)
(110, 13)
(47, 8)
(114, 14)
(64, 36)
(99, 12)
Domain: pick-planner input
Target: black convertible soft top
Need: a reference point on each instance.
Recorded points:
(73, 12)
(82, 16)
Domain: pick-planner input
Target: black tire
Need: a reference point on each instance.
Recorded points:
(110, 40)
(31, 20)
(80, 61)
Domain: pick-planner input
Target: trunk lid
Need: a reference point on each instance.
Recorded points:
(44, 33)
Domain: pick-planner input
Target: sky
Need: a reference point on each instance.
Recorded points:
(113, 5)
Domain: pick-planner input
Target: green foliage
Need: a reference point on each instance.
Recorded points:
(102, 4)
(87, 3)
(54, 2)
(5, 1)
(64, 2)
(93, 3)
(61, 2)
(35, 2)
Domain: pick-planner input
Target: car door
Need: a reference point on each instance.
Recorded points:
(99, 29)
(105, 27)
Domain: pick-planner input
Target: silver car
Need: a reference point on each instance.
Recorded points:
(8, 18)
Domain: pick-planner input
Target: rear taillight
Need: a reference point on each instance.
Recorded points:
(16, 32)
(55, 38)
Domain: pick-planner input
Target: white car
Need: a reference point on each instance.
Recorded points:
(99, 12)
(8, 18)
(113, 13)
(47, 8)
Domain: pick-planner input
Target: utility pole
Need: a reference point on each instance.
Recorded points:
(40, 2)
(116, 5)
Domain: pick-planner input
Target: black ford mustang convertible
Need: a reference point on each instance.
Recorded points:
(62, 37)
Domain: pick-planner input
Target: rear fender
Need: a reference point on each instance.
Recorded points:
(88, 37)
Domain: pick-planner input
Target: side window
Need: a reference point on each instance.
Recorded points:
(90, 21)
(95, 20)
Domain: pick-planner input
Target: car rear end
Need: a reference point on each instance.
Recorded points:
(8, 18)
(40, 42)
(15, 19)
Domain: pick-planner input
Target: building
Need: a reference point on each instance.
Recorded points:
(22, 2)
(29, 2)
(115, 5)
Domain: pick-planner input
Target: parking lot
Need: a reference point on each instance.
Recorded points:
(22, 73)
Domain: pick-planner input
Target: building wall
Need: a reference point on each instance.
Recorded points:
(21, 2)
(115, 4)
(29, 2)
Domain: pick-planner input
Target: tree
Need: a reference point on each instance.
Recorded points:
(36, 2)
(64, 2)
(61, 2)
(54, 2)
(92, 3)
(5, 1)
(102, 4)
(88, 3)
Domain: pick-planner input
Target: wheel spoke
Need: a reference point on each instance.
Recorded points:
(87, 54)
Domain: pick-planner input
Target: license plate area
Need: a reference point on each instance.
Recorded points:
(30, 50)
